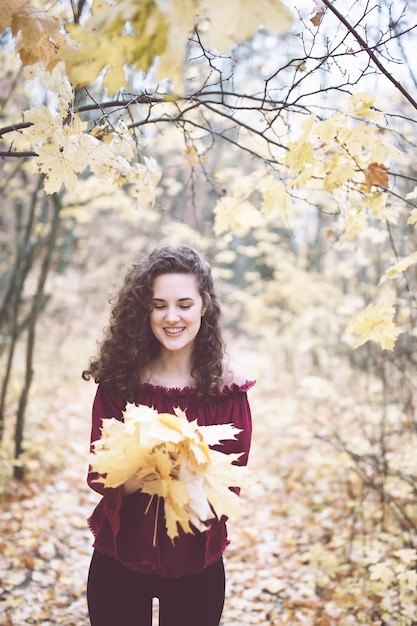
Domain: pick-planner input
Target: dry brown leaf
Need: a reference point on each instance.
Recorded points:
(376, 174)
(38, 36)
(33, 22)
(8, 9)
(317, 18)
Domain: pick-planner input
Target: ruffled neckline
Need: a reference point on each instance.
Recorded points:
(190, 391)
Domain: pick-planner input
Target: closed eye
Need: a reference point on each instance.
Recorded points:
(160, 307)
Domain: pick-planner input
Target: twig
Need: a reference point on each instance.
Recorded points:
(370, 53)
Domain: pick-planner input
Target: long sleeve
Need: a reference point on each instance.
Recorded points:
(108, 403)
(236, 410)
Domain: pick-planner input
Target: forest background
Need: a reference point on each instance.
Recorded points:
(279, 139)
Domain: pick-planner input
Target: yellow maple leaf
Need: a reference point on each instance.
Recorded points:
(408, 582)
(104, 44)
(198, 507)
(116, 455)
(92, 56)
(218, 480)
(299, 155)
(114, 78)
(377, 203)
(63, 150)
(337, 174)
(180, 15)
(166, 427)
(383, 572)
(375, 323)
(354, 224)
(144, 178)
(216, 433)
(236, 20)
(327, 130)
(235, 214)
(160, 478)
(413, 217)
(162, 465)
(362, 103)
(58, 166)
(55, 81)
(46, 127)
(172, 460)
(401, 266)
(275, 196)
(407, 555)
(176, 512)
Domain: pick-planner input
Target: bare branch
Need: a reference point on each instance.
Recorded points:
(13, 127)
(11, 153)
(370, 52)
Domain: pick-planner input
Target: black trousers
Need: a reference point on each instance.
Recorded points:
(118, 596)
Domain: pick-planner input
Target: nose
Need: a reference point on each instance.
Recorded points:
(172, 314)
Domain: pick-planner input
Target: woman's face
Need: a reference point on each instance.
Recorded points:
(176, 311)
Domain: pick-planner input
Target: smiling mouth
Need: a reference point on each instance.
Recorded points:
(174, 331)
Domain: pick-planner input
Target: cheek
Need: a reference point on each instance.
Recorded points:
(153, 318)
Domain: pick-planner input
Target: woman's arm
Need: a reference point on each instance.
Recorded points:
(108, 403)
(233, 374)
(131, 485)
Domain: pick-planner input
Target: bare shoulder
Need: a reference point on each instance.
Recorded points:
(233, 373)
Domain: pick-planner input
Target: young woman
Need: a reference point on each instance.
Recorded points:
(163, 348)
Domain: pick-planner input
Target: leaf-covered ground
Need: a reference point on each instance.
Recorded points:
(288, 559)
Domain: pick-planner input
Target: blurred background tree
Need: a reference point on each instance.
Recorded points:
(280, 142)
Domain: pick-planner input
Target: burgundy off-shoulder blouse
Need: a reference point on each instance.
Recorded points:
(123, 528)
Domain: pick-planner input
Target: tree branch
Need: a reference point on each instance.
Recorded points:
(12, 127)
(10, 153)
(370, 53)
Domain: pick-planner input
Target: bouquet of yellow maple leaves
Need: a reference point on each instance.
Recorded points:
(172, 459)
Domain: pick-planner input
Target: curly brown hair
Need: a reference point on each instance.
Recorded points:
(129, 345)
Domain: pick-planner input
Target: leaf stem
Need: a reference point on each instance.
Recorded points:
(156, 522)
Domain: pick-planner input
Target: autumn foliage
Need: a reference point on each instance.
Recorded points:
(344, 154)
(280, 139)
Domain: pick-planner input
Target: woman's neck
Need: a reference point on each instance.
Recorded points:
(170, 370)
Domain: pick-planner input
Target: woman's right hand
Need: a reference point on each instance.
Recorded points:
(131, 485)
